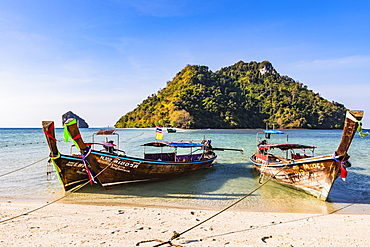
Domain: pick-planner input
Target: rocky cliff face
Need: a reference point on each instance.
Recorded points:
(80, 122)
(266, 67)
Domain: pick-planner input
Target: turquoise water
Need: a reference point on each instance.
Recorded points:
(230, 179)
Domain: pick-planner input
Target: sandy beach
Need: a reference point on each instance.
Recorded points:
(62, 224)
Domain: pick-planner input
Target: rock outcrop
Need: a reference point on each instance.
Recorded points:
(81, 123)
(266, 67)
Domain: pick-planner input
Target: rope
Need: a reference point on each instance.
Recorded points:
(134, 137)
(341, 162)
(23, 167)
(42, 142)
(177, 235)
(23, 144)
(56, 200)
(89, 173)
(45, 205)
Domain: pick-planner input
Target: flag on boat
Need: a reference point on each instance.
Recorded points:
(158, 133)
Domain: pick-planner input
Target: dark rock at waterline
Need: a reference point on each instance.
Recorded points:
(81, 123)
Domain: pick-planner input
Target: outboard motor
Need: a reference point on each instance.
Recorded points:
(208, 147)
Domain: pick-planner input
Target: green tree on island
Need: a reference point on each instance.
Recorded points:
(244, 95)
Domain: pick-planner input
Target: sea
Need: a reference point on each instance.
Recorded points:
(26, 175)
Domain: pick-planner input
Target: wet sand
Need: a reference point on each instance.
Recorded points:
(62, 224)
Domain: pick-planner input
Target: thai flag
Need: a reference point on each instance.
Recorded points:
(158, 133)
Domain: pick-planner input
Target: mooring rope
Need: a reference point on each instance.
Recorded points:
(177, 235)
(56, 200)
(47, 204)
(43, 142)
(23, 144)
(134, 137)
(23, 167)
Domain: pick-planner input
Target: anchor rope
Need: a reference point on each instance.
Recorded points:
(43, 142)
(134, 137)
(1, 175)
(176, 235)
(23, 144)
(56, 200)
(47, 204)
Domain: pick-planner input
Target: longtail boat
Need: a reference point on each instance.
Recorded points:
(304, 171)
(70, 169)
(112, 168)
(171, 130)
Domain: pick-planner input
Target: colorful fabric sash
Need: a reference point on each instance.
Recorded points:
(48, 133)
(359, 128)
(89, 172)
(343, 169)
(67, 136)
(56, 167)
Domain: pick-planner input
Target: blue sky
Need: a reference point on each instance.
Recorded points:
(100, 59)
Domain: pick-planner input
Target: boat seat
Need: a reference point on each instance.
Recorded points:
(189, 157)
(297, 156)
(160, 156)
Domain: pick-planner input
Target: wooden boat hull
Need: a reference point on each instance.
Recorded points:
(113, 170)
(120, 170)
(116, 170)
(71, 171)
(314, 176)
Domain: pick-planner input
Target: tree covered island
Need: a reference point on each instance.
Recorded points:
(244, 95)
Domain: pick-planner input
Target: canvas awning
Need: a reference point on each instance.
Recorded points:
(173, 144)
(106, 132)
(285, 146)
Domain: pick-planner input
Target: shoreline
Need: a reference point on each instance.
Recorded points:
(126, 225)
(306, 207)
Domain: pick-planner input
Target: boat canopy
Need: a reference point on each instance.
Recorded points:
(173, 144)
(273, 132)
(106, 132)
(285, 146)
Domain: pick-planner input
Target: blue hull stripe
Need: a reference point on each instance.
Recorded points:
(153, 161)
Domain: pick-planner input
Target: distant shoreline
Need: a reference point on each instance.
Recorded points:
(151, 128)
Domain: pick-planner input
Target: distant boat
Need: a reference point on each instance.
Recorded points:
(314, 175)
(113, 167)
(171, 130)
